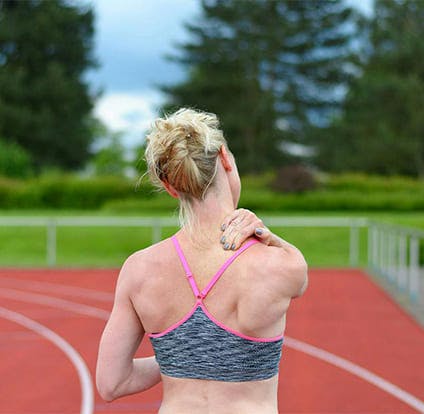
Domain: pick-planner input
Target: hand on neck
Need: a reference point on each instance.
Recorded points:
(220, 200)
(209, 214)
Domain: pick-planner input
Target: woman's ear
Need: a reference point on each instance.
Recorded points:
(224, 155)
(170, 189)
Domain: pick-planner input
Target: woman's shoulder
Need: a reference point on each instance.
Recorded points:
(140, 264)
(282, 257)
(284, 266)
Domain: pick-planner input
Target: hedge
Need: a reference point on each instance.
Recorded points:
(344, 192)
(278, 203)
(67, 192)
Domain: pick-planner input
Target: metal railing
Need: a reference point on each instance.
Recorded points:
(52, 223)
(393, 251)
(157, 223)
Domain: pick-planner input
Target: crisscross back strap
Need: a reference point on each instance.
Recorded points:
(224, 267)
(187, 270)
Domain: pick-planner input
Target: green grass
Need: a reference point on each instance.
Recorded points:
(109, 246)
(22, 246)
(324, 246)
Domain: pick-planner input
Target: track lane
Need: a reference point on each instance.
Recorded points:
(87, 399)
(289, 372)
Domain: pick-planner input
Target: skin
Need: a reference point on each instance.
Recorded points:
(151, 295)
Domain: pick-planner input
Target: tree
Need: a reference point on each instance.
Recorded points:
(14, 160)
(45, 48)
(381, 129)
(110, 159)
(268, 69)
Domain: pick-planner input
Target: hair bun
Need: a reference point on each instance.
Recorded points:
(182, 149)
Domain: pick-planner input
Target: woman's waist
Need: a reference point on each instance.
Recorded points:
(197, 396)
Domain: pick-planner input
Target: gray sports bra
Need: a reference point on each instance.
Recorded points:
(198, 346)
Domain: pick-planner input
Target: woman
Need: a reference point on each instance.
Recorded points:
(217, 336)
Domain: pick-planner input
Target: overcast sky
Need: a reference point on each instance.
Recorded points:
(131, 40)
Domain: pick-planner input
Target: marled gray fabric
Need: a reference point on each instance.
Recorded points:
(200, 349)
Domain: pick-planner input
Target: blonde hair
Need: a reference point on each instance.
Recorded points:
(182, 150)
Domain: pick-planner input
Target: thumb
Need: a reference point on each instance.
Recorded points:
(263, 234)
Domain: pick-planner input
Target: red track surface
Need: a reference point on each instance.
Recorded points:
(343, 312)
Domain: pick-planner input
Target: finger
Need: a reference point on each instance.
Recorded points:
(244, 231)
(240, 229)
(228, 238)
(228, 219)
(255, 228)
(242, 235)
(230, 224)
(263, 234)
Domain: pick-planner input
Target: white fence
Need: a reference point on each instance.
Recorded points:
(157, 223)
(393, 251)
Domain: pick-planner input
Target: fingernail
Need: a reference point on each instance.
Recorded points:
(233, 246)
(223, 239)
(223, 227)
(226, 246)
(258, 231)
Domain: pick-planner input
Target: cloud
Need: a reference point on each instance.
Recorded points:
(131, 39)
(129, 113)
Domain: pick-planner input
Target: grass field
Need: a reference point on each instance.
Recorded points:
(109, 246)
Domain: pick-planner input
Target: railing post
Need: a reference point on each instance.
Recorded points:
(375, 247)
(402, 254)
(370, 246)
(382, 252)
(354, 245)
(51, 242)
(414, 269)
(391, 262)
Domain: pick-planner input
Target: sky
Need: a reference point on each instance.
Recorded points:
(132, 38)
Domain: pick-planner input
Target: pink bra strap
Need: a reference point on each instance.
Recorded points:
(187, 270)
(224, 267)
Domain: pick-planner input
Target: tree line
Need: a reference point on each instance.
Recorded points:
(314, 82)
(293, 82)
(45, 103)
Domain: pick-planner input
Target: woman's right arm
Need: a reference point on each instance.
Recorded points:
(242, 224)
(118, 373)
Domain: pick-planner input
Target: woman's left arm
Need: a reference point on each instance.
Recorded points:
(118, 373)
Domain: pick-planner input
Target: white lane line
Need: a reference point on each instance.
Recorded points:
(49, 287)
(54, 302)
(87, 400)
(357, 370)
(304, 347)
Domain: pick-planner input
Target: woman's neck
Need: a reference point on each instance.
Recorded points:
(208, 216)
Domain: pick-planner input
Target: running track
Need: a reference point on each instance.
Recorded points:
(349, 348)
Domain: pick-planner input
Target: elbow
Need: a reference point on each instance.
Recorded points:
(106, 389)
(111, 388)
(107, 393)
(106, 396)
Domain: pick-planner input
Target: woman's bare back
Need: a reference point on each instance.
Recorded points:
(251, 297)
